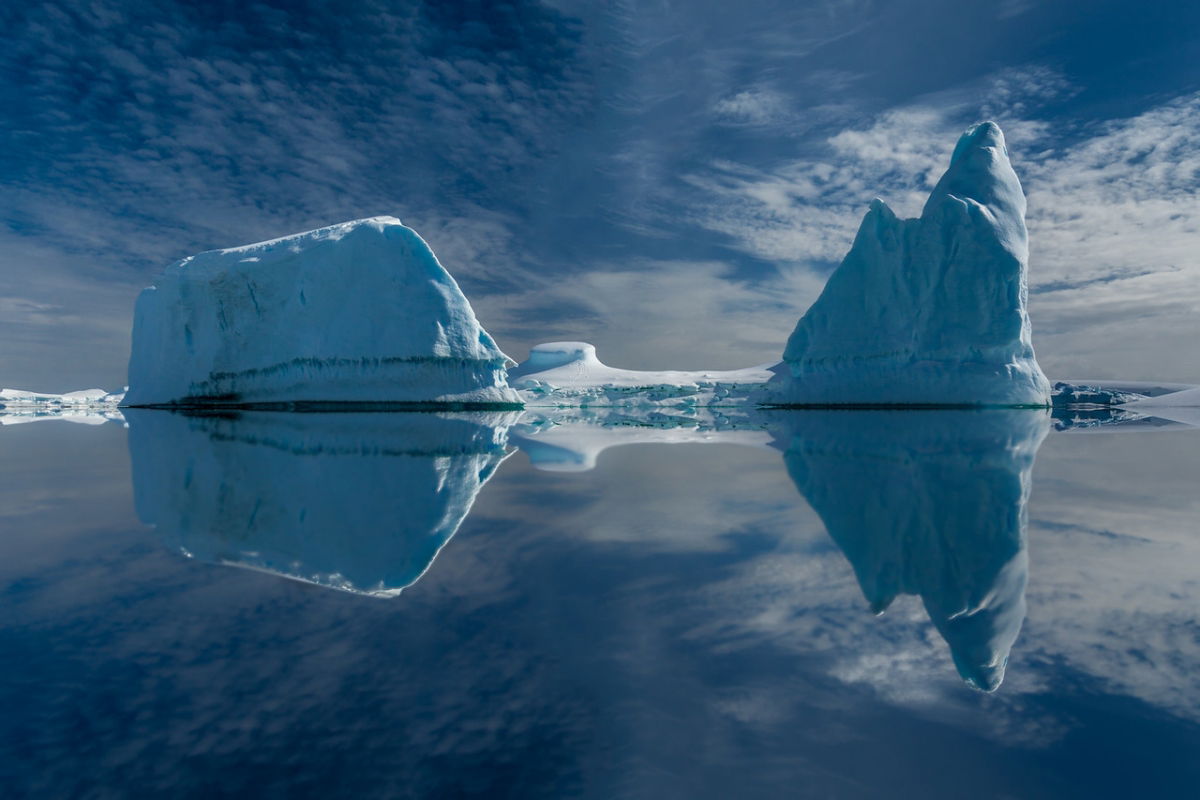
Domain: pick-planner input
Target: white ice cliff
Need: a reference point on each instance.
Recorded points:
(357, 312)
(927, 311)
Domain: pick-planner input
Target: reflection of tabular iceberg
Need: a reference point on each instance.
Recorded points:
(361, 502)
(931, 504)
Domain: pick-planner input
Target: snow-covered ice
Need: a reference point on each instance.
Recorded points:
(927, 311)
(360, 502)
(570, 373)
(356, 312)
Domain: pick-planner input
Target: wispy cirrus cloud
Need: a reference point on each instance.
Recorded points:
(753, 107)
(210, 127)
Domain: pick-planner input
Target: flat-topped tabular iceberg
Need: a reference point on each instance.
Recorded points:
(927, 311)
(356, 312)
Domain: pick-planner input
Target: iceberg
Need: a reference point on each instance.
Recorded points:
(570, 373)
(928, 311)
(929, 504)
(359, 502)
(360, 312)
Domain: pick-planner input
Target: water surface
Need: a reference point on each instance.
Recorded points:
(407, 605)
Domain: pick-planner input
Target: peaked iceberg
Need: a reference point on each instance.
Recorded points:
(356, 312)
(927, 311)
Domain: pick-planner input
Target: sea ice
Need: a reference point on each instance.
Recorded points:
(87, 406)
(12, 398)
(356, 312)
(927, 311)
(569, 373)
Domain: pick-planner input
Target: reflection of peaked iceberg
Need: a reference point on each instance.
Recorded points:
(932, 504)
(361, 502)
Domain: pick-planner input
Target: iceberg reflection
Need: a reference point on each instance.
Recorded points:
(358, 501)
(931, 504)
(928, 503)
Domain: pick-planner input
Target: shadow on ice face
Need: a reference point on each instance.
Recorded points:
(359, 502)
(931, 504)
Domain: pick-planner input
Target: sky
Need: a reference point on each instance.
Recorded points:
(672, 182)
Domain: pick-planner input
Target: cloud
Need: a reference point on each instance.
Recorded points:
(1007, 9)
(752, 107)
(648, 314)
(63, 320)
(23, 311)
(198, 133)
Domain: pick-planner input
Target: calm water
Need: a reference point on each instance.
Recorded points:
(681, 619)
